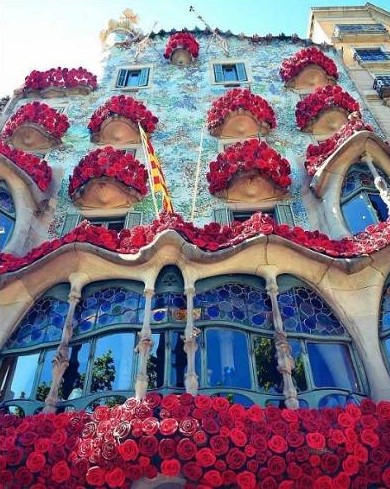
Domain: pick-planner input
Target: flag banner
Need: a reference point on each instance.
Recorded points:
(158, 179)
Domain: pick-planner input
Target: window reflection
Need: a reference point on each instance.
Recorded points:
(298, 373)
(75, 374)
(7, 214)
(269, 379)
(46, 376)
(156, 362)
(23, 377)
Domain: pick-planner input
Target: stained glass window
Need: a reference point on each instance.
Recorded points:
(7, 214)
(169, 307)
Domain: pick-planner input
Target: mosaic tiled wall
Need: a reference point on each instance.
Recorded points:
(180, 98)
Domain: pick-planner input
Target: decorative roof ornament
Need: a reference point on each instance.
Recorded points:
(143, 44)
(125, 25)
(215, 38)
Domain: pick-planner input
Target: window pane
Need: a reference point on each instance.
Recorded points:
(23, 377)
(386, 345)
(156, 362)
(6, 228)
(178, 360)
(385, 310)
(227, 358)
(357, 213)
(269, 379)
(379, 206)
(230, 73)
(298, 373)
(113, 360)
(331, 366)
(118, 306)
(46, 376)
(74, 376)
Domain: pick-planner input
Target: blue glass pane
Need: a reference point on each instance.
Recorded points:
(227, 358)
(332, 366)
(6, 227)
(385, 311)
(386, 345)
(118, 306)
(269, 380)
(75, 375)
(6, 200)
(169, 307)
(156, 363)
(23, 377)
(298, 373)
(332, 401)
(44, 382)
(358, 213)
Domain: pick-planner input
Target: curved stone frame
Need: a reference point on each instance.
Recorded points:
(327, 182)
(309, 78)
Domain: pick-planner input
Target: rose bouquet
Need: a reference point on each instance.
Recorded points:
(59, 77)
(291, 67)
(183, 40)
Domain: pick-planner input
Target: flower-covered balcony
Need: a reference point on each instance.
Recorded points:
(240, 114)
(249, 172)
(108, 178)
(308, 69)
(35, 126)
(116, 122)
(182, 48)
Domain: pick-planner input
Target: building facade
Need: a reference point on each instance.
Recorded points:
(266, 279)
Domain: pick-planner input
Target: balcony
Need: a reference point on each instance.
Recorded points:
(354, 32)
(382, 85)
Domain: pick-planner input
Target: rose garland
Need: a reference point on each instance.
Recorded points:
(124, 106)
(251, 155)
(291, 67)
(316, 154)
(240, 99)
(59, 77)
(43, 115)
(211, 237)
(182, 40)
(321, 99)
(207, 440)
(37, 169)
(109, 162)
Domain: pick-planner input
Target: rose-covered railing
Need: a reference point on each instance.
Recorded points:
(212, 237)
(206, 441)
(250, 156)
(60, 77)
(312, 56)
(111, 163)
(35, 167)
(52, 121)
(127, 107)
(182, 40)
(240, 101)
(322, 99)
(316, 154)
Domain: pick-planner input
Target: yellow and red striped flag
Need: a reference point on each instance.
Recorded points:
(158, 179)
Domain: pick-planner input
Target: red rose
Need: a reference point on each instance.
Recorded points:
(168, 426)
(302, 454)
(210, 426)
(370, 438)
(213, 478)
(337, 436)
(205, 457)
(246, 480)
(200, 438)
(294, 471)
(235, 458)
(115, 477)
(170, 467)
(276, 465)
(150, 426)
(148, 445)
(220, 403)
(315, 441)
(295, 439)
(238, 437)
(341, 481)
(323, 482)
(368, 406)
(277, 444)
(186, 449)
(219, 444)
(330, 463)
(35, 461)
(351, 465)
(192, 471)
(386, 477)
(128, 450)
(203, 402)
(269, 483)
(380, 456)
(14, 456)
(134, 472)
(167, 448)
(255, 413)
(188, 426)
(23, 476)
(60, 472)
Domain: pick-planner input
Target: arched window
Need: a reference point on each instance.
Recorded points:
(326, 364)
(7, 214)
(384, 326)
(361, 203)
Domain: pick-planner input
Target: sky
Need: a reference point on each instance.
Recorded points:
(42, 34)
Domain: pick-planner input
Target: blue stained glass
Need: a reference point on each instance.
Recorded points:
(213, 311)
(84, 326)
(238, 314)
(385, 310)
(159, 315)
(288, 311)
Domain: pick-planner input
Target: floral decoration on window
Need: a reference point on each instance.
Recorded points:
(111, 163)
(329, 97)
(249, 156)
(183, 40)
(50, 119)
(316, 154)
(37, 169)
(212, 237)
(291, 67)
(128, 107)
(243, 101)
(59, 77)
(208, 441)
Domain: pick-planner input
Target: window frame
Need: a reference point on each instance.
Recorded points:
(127, 70)
(7, 215)
(383, 49)
(218, 65)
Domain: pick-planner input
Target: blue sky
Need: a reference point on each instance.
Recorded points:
(41, 34)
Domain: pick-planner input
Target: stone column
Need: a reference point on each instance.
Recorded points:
(283, 350)
(143, 348)
(61, 359)
(379, 182)
(190, 345)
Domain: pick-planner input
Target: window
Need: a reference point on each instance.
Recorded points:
(281, 213)
(346, 29)
(230, 73)
(7, 214)
(371, 55)
(133, 78)
(384, 325)
(361, 203)
(382, 84)
(114, 223)
(131, 219)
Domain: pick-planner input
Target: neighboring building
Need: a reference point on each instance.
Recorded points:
(362, 40)
(269, 284)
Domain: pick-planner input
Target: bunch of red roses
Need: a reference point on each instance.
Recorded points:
(291, 67)
(59, 77)
(321, 99)
(316, 154)
(37, 169)
(112, 163)
(43, 115)
(207, 440)
(183, 40)
(125, 106)
(251, 155)
(240, 99)
(212, 237)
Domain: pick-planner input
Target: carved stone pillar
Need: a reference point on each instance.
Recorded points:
(283, 350)
(143, 348)
(379, 182)
(190, 345)
(61, 359)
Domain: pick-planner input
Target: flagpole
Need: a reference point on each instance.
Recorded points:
(149, 169)
(197, 173)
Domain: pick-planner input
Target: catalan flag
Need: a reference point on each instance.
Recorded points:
(158, 179)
